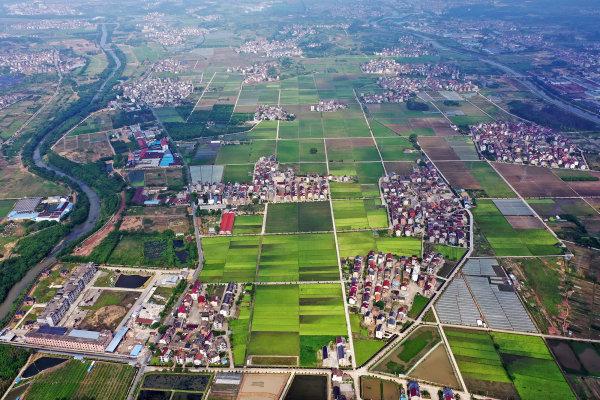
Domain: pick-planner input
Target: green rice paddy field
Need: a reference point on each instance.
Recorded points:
(506, 365)
(292, 258)
(299, 217)
(296, 320)
(359, 214)
(507, 241)
(74, 379)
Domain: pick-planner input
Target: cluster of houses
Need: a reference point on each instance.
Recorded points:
(153, 152)
(39, 62)
(336, 354)
(258, 72)
(153, 92)
(409, 47)
(40, 8)
(329, 106)
(39, 209)
(168, 65)
(402, 81)
(197, 335)
(382, 287)
(57, 308)
(396, 89)
(269, 184)
(526, 143)
(56, 24)
(271, 48)
(272, 113)
(155, 28)
(422, 204)
(6, 100)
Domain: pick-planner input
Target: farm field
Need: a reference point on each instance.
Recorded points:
(403, 357)
(230, 258)
(5, 207)
(359, 214)
(248, 224)
(298, 217)
(150, 249)
(365, 346)
(507, 365)
(360, 243)
(303, 257)
(296, 320)
(507, 241)
(477, 177)
(75, 379)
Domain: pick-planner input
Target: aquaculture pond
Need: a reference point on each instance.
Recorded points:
(308, 387)
(131, 281)
(40, 365)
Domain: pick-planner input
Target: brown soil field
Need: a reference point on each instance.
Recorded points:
(436, 368)
(370, 388)
(104, 318)
(437, 148)
(156, 223)
(402, 168)
(584, 309)
(532, 181)
(587, 261)
(440, 126)
(524, 222)
(391, 391)
(587, 189)
(594, 202)
(590, 360)
(85, 148)
(79, 45)
(458, 174)
(564, 355)
(349, 144)
(399, 129)
(262, 386)
(498, 390)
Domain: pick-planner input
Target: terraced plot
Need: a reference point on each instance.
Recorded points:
(292, 258)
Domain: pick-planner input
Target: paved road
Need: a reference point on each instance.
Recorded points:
(80, 230)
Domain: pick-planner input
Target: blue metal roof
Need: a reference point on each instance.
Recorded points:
(112, 346)
(84, 334)
(137, 349)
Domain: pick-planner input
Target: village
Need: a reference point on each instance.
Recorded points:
(258, 73)
(423, 204)
(271, 48)
(272, 113)
(39, 62)
(527, 143)
(269, 184)
(152, 92)
(156, 29)
(382, 288)
(197, 334)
